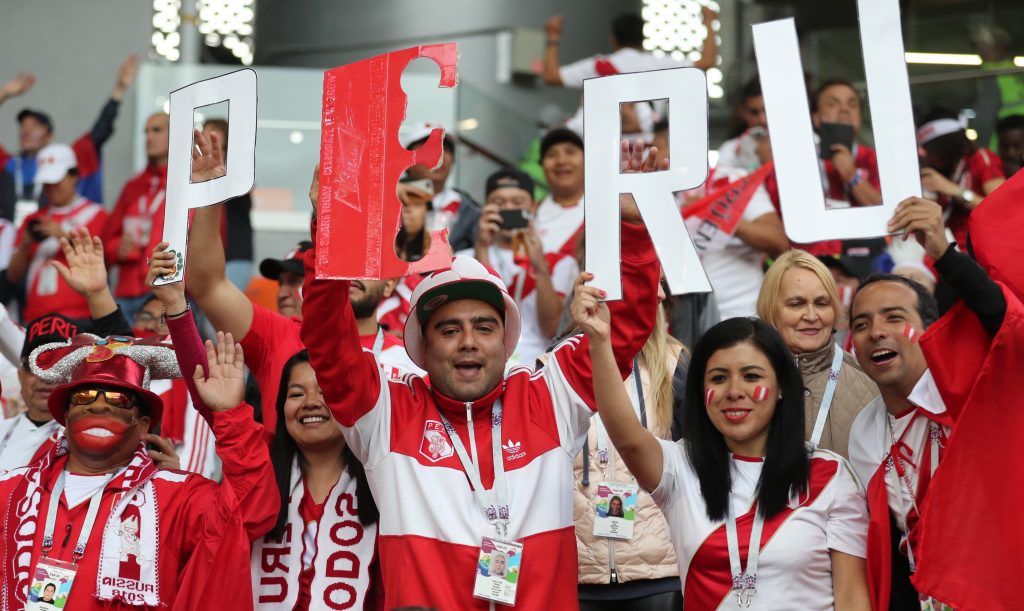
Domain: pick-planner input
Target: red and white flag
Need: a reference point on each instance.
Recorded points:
(713, 219)
(709, 396)
(760, 393)
(910, 332)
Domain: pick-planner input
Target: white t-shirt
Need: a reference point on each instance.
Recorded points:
(736, 270)
(79, 488)
(619, 62)
(794, 567)
(20, 438)
(556, 225)
(522, 286)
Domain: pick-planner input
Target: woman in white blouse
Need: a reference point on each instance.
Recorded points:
(741, 468)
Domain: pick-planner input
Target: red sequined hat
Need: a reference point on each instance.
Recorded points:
(117, 361)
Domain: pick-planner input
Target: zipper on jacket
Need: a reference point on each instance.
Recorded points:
(472, 438)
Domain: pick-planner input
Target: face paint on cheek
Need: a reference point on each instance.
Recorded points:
(98, 433)
(709, 396)
(910, 332)
(761, 393)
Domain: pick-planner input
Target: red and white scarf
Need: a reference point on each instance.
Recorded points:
(345, 550)
(131, 532)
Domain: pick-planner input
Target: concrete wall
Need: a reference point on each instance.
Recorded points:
(323, 33)
(74, 48)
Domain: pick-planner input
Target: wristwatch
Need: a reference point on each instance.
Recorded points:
(968, 196)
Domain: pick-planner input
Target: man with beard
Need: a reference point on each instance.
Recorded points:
(366, 295)
(159, 527)
(477, 459)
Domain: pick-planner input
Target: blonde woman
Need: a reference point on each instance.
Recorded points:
(798, 298)
(640, 572)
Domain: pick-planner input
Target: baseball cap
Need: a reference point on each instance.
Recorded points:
(49, 329)
(509, 177)
(467, 278)
(558, 136)
(53, 163)
(40, 116)
(291, 262)
(857, 258)
(421, 131)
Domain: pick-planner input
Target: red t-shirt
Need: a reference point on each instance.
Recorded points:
(975, 170)
(45, 290)
(271, 341)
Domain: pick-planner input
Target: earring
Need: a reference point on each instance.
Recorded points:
(780, 395)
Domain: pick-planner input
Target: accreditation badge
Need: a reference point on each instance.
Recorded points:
(615, 510)
(51, 585)
(497, 570)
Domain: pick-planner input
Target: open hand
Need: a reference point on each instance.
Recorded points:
(588, 311)
(17, 85)
(208, 161)
(225, 386)
(632, 160)
(921, 218)
(172, 295)
(85, 271)
(163, 455)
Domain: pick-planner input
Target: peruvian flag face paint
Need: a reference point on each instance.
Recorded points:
(709, 396)
(910, 332)
(761, 393)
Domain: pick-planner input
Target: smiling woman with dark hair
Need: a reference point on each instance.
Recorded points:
(323, 490)
(754, 514)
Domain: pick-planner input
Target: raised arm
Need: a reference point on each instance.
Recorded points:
(17, 86)
(637, 446)
(226, 306)
(709, 54)
(248, 472)
(635, 313)
(188, 347)
(349, 376)
(553, 30)
(922, 219)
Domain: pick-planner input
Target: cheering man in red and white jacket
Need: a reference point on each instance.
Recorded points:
(477, 455)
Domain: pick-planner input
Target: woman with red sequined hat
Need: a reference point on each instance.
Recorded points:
(97, 512)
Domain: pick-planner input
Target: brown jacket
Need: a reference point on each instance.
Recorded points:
(853, 392)
(648, 555)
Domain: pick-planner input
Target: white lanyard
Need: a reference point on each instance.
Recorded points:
(90, 517)
(378, 343)
(933, 433)
(493, 502)
(639, 406)
(744, 583)
(826, 399)
(149, 211)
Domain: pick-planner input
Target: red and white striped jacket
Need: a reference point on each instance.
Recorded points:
(430, 526)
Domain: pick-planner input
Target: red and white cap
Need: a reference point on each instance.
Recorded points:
(53, 163)
(419, 131)
(467, 278)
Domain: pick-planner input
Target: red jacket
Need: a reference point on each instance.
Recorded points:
(204, 529)
(431, 527)
(140, 209)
